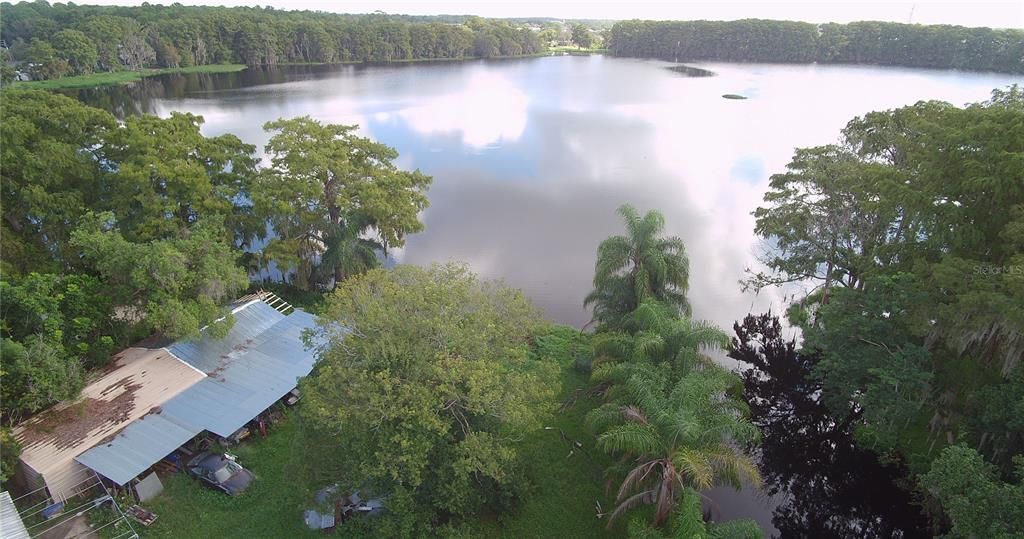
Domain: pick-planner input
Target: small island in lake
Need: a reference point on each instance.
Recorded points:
(691, 71)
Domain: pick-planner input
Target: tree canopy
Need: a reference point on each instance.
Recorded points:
(908, 234)
(867, 42)
(426, 386)
(325, 189)
(60, 39)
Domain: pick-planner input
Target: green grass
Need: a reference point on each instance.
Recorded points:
(271, 507)
(572, 49)
(121, 77)
(567, 486)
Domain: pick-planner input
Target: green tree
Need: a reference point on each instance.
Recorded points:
(175, 286)
(548, 36)
(72, 310)
(10, 449)
(874, 358)
(76, 48)
(48, 172)
(43, 60)
(911, 232)
(673, 433)
(638, 266)
(426, 387)
(582, 36)
(977, 502)
(37, 373)
(167, 175)
(327, 187)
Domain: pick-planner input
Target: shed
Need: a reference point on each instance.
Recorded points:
(136, 382)
(259, 361)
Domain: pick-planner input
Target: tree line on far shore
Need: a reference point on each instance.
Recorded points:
(53, 41)
(66, 39)
(869, 42)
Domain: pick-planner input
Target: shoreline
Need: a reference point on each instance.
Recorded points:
(113, 78)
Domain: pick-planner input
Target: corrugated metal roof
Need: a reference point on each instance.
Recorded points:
(137, 447)
(208, 354)
(257, 363)
(137, 381)
(11, 525)
(250, 378)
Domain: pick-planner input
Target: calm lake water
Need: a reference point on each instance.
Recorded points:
(531, 157)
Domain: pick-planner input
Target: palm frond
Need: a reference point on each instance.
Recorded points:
(695, 467)
(635, 477)
(688, 521)
(633, 438)
(646, 497)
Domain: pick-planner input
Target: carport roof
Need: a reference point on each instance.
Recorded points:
(257, 363)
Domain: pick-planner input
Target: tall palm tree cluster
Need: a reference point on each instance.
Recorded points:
(672, 416)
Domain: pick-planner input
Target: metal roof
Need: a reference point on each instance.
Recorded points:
(254, 375)
(208, 354)
(137, 447)
(11, 526)
(257, 363)
(136, 382)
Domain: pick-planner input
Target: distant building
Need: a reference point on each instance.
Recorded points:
(150, 401)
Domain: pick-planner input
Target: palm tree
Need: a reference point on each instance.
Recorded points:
(347, 252)
(655, 334)
(641, 265)
(671, 436)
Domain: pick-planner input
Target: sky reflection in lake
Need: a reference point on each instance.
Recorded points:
(531, 157)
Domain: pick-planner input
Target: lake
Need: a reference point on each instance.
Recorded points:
(531, 157)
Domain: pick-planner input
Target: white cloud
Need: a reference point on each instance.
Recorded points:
(488, 110)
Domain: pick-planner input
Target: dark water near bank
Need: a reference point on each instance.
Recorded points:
(531, 157)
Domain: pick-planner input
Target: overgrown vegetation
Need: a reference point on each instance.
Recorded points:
(673, 417)
(122, 77)
(426, 391)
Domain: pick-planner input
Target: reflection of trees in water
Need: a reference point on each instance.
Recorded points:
(832, 487)
(140, 97)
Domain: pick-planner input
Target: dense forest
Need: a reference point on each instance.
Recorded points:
(65, 39)
(880, 43)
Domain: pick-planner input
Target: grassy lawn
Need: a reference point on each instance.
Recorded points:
(561, 505)
(120, 77)
(271, 507)
(567, 486)
(573, 49)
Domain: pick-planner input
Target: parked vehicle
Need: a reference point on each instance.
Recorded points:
(335, 507)
(220, 472)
